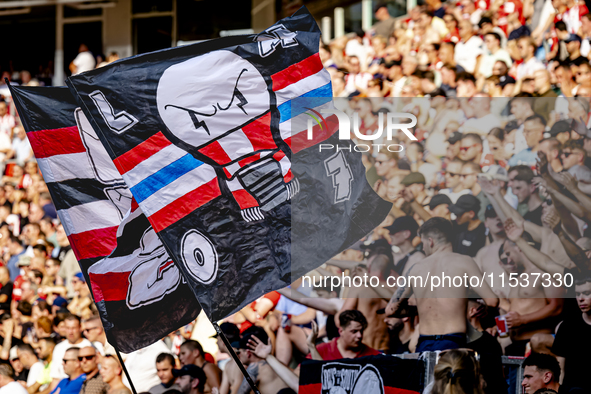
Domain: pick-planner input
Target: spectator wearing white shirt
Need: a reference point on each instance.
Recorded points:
(492, 40)
(7, 383)
(527, 49)
(469, 48)
(83, 62)
(29, 359)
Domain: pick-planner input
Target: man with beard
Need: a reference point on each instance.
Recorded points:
(403, 330)
(191, 379)
(45, 353)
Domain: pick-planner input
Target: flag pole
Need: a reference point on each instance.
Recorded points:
(123, 367)
(235, 357)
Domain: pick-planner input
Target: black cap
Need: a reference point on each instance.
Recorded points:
(573, 37)
(439, 199)
(522, 31)
(412, 178)
(253, 332)
(465, 203)
(231, 331)
(378, 243)
(506, 80)
(380, 5)
(404, 223)
(192, 370)
(484, 20)
(490, 212)
(562, 126)
(511, 125)
(437, 93)
(455, 137)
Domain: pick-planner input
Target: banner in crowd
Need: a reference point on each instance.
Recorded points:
(201, 135)
(137, 289)
(365, 375)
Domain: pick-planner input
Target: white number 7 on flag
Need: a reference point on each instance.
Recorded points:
(120, 122)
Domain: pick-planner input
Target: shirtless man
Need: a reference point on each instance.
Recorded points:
(487, 258)
(262, 374)
(531, 305)
(192, 353)
(111, 374)
(367, 300)
(442, 312)
(402, 232)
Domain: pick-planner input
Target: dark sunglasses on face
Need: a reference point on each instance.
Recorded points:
(567, 154)
(453, 174)
(87, 358)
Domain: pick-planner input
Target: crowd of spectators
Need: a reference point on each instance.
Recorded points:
(497, 180)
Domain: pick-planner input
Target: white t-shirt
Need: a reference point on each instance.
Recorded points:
(13, 388)
(84, 62)
(141, 366)
(528, 68)
(481, 125)
(34, 373)
(467, 52)
(57, 367)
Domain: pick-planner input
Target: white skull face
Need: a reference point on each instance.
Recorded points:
(203, 98)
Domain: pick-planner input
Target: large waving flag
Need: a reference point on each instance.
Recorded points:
(137, 289)
(202, 135)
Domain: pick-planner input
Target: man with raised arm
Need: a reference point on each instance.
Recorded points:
(442, 310)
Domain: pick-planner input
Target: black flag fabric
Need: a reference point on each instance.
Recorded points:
(202, 136)
(140, 296)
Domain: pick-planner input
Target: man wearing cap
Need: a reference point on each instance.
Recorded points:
(415, 185)
(402, 330)
(402, 232)
(385, 25)
(469, 231)
(261, 373)
(453, 147)
(190, 378)
(573, 46)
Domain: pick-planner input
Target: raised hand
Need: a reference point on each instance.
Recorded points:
(569, 181)
(407, 194)
(311, 340)
(542, 164)
(551, 219)
(259, 349)
(489, 186)
(513, 230)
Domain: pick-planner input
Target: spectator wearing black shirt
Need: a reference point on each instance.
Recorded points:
(469, 231)
(520, 182)
(572, 345)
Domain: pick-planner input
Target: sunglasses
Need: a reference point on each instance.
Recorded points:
(465, 148)
(567, 154)
(69, 359)
(452, 174)
(87, 358)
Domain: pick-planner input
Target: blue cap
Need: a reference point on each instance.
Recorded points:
(60, 301)
(80, 276)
